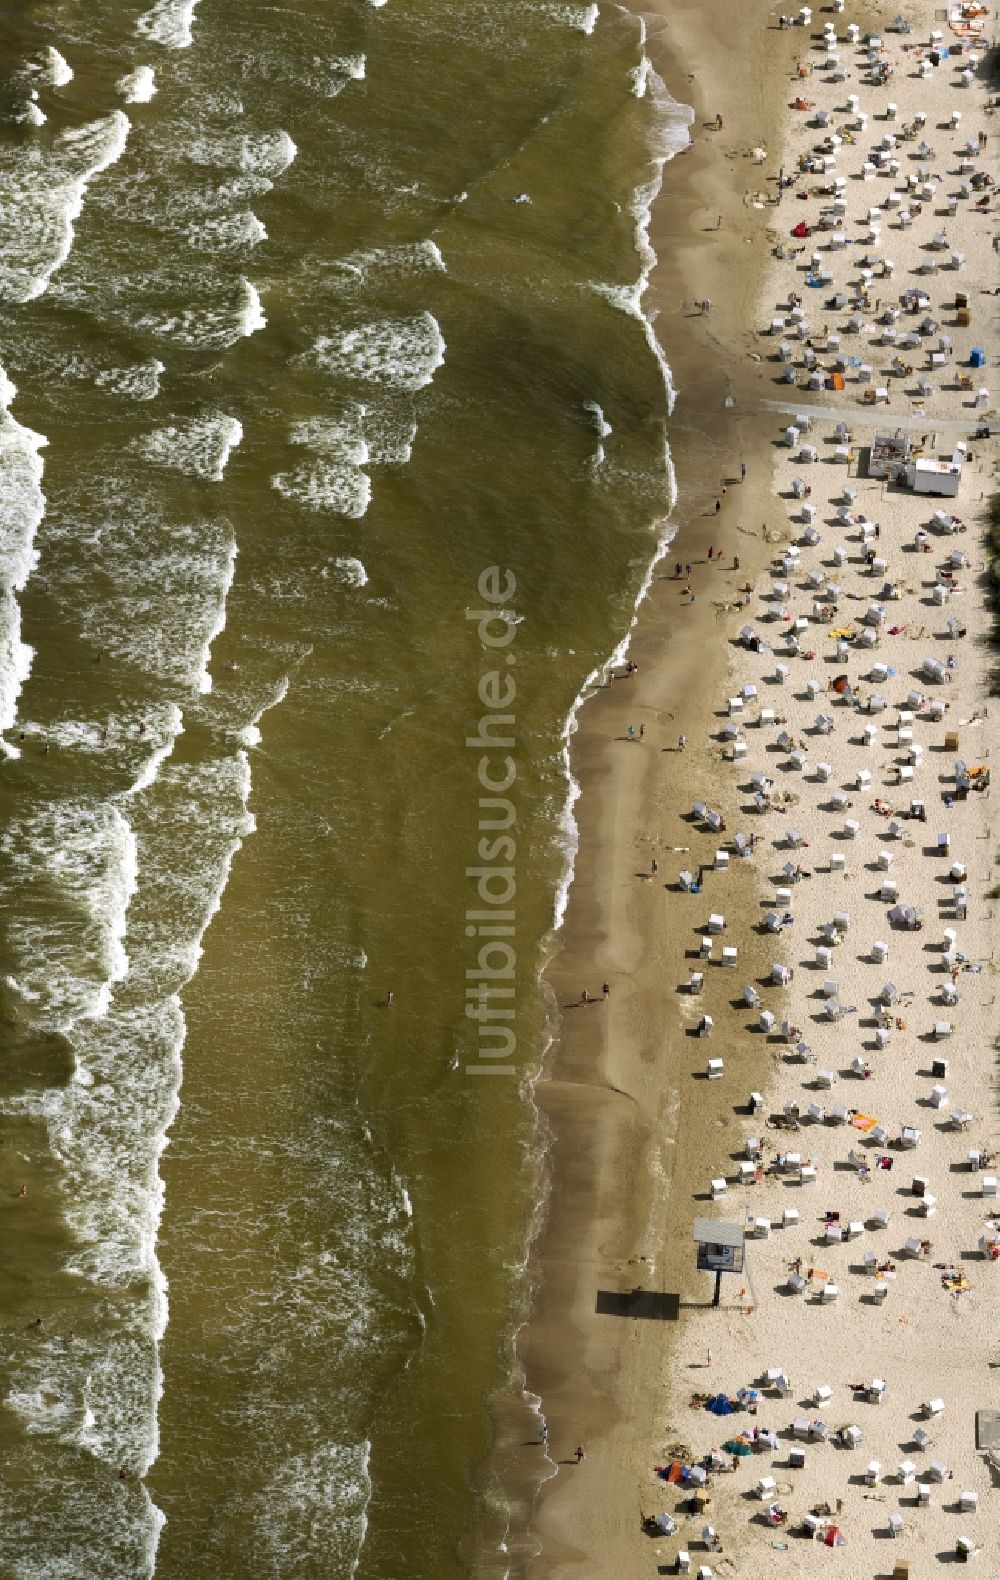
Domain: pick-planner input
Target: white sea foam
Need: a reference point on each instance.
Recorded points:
(22, 506)
(29, 115)
(350, 67)
(267, 153)
(352, 571)
(43, 1409)
(414, 257)
(250, 735)
(669, 134)
(211, 327)
(403, 353)
(390, 432)
(581, 17)
(139, 382)
(138, 86)
(253, 313)
(315, 1502)
(333, 477)
(41, 195)
(53, 68)
(224, 233)
(219, 624)
(164, 583)
(151, 738)
(336, 436)
(163, 733)
(83, 855)
(604, 428)
(199, 446)
(327, 485)
(107, 1127)
(168, 23)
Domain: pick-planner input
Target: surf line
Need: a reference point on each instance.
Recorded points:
(490, 990)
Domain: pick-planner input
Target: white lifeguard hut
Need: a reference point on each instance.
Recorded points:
(721, 1249)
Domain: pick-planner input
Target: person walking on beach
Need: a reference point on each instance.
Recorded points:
(585, 997)
(543, 1434)
(581, 1453)
(642, 732)
(682, 741)
(606, 990)
(389, 999)
(654, 867)
(718, 506)
(743, 472)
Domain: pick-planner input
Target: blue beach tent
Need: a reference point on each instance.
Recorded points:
(720, 1405)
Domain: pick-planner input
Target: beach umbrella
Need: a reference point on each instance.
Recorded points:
(720, 1405)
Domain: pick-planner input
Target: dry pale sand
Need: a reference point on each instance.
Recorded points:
(640, 1133)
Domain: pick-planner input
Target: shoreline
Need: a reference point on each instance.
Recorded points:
(605, 1107)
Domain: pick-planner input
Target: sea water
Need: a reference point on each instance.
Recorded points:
(310, 315)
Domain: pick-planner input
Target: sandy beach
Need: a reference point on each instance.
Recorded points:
(858, 1001)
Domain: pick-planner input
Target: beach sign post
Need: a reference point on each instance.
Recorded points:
(721, 1249)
